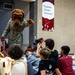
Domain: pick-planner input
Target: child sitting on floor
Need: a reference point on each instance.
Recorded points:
(45, 66)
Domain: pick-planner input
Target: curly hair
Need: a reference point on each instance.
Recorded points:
(15, 52)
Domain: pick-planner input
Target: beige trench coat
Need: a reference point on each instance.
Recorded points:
(15, 34)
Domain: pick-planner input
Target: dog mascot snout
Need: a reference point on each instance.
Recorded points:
(16, 24)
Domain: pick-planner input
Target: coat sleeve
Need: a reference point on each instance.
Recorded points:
(25, 23)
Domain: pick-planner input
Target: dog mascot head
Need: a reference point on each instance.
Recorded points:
(17, 17)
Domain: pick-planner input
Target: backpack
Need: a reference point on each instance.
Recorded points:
(5, 65)
(8, 66)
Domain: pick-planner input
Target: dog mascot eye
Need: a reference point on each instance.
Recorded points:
(14, 18)
(20, 18)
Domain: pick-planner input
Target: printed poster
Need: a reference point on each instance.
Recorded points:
(48, 15)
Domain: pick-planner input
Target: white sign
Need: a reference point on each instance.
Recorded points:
(47, 10)
(29, 0)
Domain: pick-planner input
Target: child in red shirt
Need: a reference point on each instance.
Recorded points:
(65, 62)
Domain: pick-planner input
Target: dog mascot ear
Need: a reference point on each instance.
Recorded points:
(15, 27)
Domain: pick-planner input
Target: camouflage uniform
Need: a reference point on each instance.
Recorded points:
(15, 34)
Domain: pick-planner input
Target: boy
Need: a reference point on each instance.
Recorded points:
(19, 65)
(33, 60)
(65, 61)
(45, 66)
(49, 43)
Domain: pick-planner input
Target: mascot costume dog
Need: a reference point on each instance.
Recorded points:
(15, 26)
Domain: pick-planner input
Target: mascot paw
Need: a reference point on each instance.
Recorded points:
(2, 38)
(30, 21)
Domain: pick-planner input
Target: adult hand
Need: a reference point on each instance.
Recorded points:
(2, 38)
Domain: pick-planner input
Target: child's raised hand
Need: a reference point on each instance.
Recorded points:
(38, 46)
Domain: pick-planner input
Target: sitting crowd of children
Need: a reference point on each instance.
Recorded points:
(42, 61)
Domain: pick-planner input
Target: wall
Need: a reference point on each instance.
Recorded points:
(4, 17)
(64, 24)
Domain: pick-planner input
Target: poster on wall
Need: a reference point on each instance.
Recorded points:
(48, 15)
